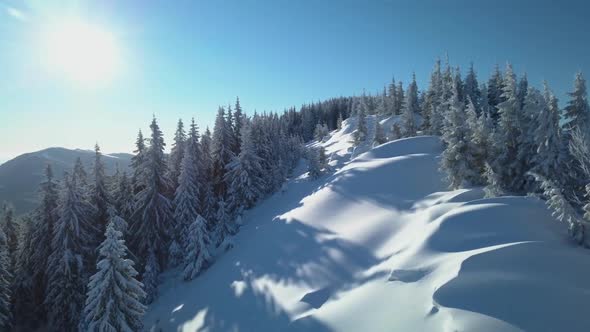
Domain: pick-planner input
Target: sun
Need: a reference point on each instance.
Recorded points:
(80, 51)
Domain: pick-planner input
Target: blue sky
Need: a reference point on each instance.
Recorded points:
(184, 58)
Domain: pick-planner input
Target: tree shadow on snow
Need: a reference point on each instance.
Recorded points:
(234, 294)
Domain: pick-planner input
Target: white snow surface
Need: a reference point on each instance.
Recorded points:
(380, 244)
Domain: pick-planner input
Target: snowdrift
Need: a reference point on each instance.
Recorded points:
(380, 244)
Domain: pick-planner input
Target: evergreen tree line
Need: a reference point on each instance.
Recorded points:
(505, 135)
(90, 255)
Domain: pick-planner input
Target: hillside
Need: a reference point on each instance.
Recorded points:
(380, 244)
(20, 177)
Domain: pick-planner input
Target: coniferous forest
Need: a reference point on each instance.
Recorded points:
(91, 255)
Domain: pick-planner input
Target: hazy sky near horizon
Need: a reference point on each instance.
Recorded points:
(184, 58)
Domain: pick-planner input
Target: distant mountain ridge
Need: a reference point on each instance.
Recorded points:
(20, 177)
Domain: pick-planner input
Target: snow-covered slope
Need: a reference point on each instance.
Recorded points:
(381, 245)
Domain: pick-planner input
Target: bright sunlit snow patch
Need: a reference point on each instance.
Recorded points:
(239, 287)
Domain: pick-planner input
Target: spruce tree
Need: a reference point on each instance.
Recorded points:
(477, 144)
(206, 171)
(80, 174)
(11, 230)
(314, 168)
(522, 90)
(237, 127)
(396, 132)
(24, 308)
(137, 163)
(547, 139)
(432, 117)
(5, 284)
(471, 88)
(186, 202)
(224, 224)
(562, 210)
(114, 295)
(150, 276)
(495, 91)
(176, 154)
(392, 94)
(70, 259)
(379, 134)
(533, 104)
(197, 256)
(410, 110)
(153, 209)
(339, 121)
(360, 133)
(508, 165)
(456, 158)
(99, 196)
(123, 197)
(221, 152)
(577, 111)
(244, 175)
(399, 99)
(44, 219)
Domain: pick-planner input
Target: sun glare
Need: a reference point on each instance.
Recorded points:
(80, 51)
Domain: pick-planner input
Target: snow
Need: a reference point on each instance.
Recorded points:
(381, 245)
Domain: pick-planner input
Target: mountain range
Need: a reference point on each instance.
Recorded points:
(20, 177)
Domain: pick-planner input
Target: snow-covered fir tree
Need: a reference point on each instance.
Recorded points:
(221, 152)
(522, 90)
(99, 196)
(494, 185)
(410, 110)
(477, 143)
(70, 259)
(123, 197)
(153, 209)
(471, 88)
(114, 297)
(79, 173)
(360, 134)
(5, 284)
(383, 107)
(150, 277)
(314, 167)
(547, 138)
(321, 131)
(25, 311)
(399, 98)
(206, 171)
(495, 91)
(44, 219)
(577, 111)
(244, 175)
(561, 209)
(339, 121)
(137, 162)
(432, 118)
(11, 231)
(532, 106)
(186, 202)
(508, 139)
(176, 154)
(197, 254)
(237, 126)
(379, 134)
(396, 132)
(456, 158)
(225, 226)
